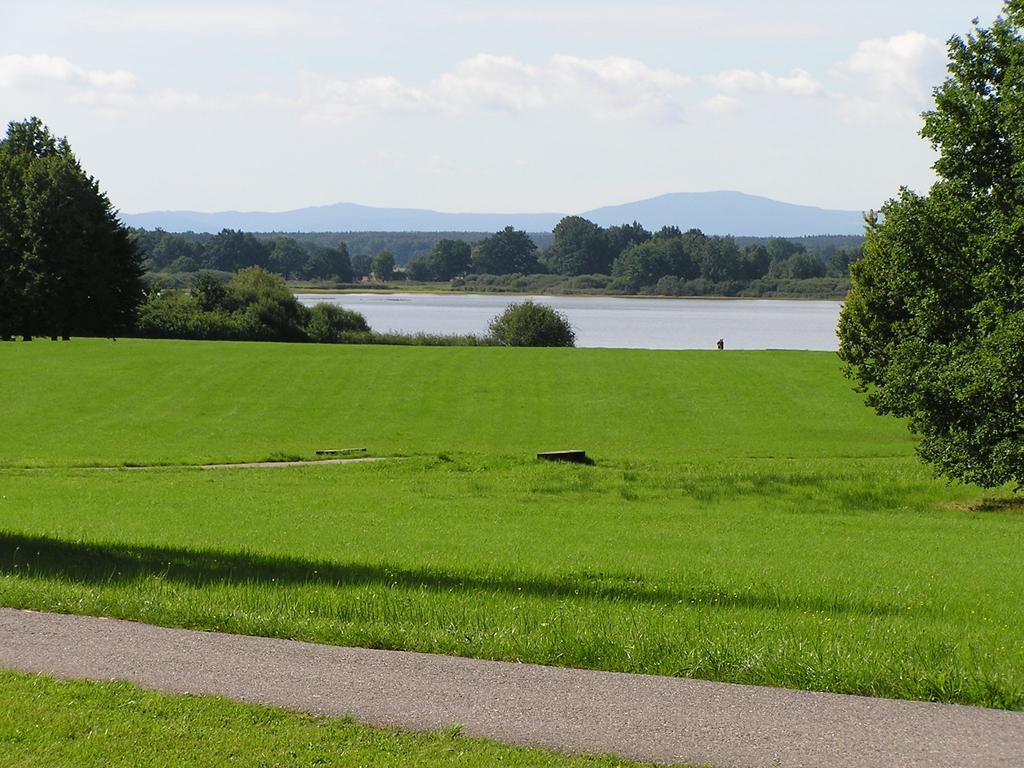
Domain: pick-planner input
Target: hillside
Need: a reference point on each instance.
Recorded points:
(715, 213)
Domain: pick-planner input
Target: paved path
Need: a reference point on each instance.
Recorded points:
(650, 718)
(234, 465)
(273, 464)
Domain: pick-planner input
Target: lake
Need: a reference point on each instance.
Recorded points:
(601, 321)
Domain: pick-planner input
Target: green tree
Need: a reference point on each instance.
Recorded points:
(67, 265)
(800, 266)
(383, 265)
(210, 293)
(268, 310)
(361, 265)
(754, 262)
(506, 252)
(621, 236)
(580, 248)
(839, 261)
(720, 260)
(287, 258)
(676, 255)
(162, 249)
(330, 263)
(933, 327)
(529, 324)
(780, 249)
(420, 268)
(450, 258)
(232, 250)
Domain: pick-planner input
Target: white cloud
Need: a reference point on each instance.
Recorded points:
(17, 71)
(108, 93)
(897, 75)
(337, 101)
(612, 88)
(491, 84)
(799, 83)
(617, 88)
(904, 66)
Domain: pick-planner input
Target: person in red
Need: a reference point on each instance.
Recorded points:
(721, 344)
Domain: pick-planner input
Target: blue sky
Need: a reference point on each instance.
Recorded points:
(483, 106)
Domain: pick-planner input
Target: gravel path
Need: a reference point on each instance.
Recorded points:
(650, 718)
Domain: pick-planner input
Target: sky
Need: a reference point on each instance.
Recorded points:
(527, 106)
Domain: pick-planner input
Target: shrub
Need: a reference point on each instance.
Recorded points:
(328, 323)
(532, 325)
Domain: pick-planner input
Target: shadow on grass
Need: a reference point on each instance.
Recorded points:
(113, 564)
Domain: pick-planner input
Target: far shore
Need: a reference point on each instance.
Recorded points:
(371, 289)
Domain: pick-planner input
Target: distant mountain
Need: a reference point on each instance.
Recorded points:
(341, 217)
(730, 213)
(715, 213)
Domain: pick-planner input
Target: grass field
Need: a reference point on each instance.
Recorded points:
(49, 723)
(102, 402)
(747, 519)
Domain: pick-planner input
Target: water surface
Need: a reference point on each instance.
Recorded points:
(601, 321)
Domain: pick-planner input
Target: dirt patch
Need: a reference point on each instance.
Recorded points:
(1004, 506)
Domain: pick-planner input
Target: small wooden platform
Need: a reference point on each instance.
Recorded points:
(573, 457)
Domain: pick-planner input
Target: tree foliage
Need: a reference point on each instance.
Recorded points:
(255, 305)
(529, 324)
(580, 248)
(506, 252)
(450, 258)
(67, 265)
(934, 324)
(329, 323)
(383, 265)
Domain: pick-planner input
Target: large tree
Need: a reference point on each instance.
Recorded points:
(506, 252)
(67, 265)
(232, 250)
(934, 325)
(580, 248)
(383, 265)
(449, 258)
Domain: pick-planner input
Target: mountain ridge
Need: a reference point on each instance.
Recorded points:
(715, 213)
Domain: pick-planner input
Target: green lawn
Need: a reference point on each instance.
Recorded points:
(47, 723)
(103, 402)
(747, 519)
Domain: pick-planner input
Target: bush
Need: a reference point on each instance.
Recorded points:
(328, 323)
(255, 305)
(532, 325)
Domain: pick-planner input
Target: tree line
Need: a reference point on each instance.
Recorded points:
(633, 257)
(232, 250)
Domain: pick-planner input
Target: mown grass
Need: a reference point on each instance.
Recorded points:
(144, 402)
(747, 520)
(45, 722)
(793, 573)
